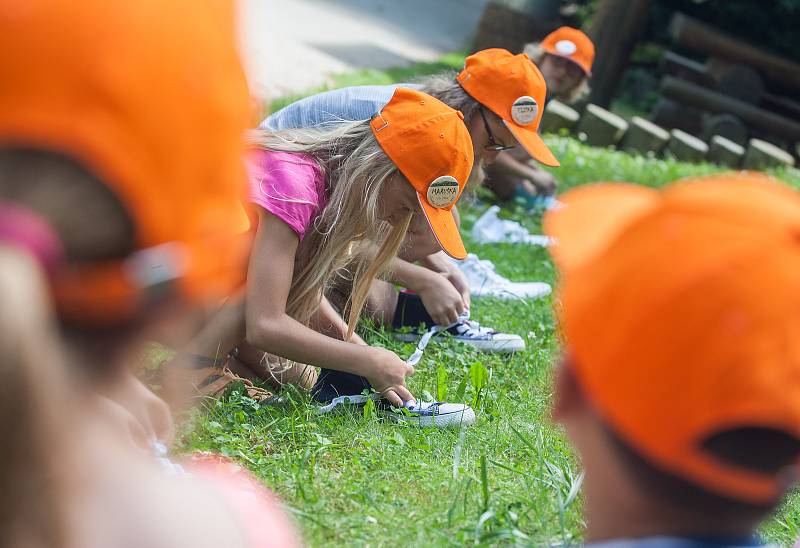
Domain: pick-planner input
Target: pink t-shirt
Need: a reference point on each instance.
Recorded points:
(289, 185)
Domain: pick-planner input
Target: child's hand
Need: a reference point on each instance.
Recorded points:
(151, 411)
(387, 375)
(459, 281)
(441, 299)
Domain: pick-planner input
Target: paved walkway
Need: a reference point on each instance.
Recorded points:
(293, 45)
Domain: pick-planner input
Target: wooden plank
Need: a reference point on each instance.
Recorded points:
(686, 69)
(698, 36)
(713, 101)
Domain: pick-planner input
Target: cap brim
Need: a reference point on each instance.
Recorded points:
(591, 217)
(444, 227)
(532, 142)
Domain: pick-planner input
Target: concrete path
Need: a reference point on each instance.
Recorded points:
(293, 45)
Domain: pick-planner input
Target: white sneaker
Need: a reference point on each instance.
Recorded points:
(423, 414)
(435, 414)
(486, 339)
(468, 332)
(484, 281)
(490, 229)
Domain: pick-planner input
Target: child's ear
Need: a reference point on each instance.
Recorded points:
(569, 397)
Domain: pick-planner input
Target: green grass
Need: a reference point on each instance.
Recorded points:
(363, 77)
(511, 479)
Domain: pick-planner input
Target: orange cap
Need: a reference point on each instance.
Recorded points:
(513, 88)
(681, 309)
(430, 145)
(151, 97)
(571, 44)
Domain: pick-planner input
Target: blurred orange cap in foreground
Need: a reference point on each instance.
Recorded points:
(151, 97)
(681, 309)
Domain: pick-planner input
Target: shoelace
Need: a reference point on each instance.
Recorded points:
(412, 360)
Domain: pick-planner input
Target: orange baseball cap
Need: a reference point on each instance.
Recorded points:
(513, 88)
(571, 44)
(681, 310)
(150, 96)
(430, 145)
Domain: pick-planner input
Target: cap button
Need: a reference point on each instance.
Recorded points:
(422, 102)
(460, 114)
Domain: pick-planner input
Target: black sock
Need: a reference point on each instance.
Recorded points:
(410, 312)
(332, 384)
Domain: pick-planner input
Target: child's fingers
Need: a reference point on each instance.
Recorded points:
(393, 398)
(403, 393)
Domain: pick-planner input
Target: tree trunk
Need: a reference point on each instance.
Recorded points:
(510, 24)
(615, 29)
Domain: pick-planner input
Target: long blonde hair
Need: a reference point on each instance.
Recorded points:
(356, 171)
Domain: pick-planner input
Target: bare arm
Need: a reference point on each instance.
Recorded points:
(512, 167)
(329, 322)
(271, 329)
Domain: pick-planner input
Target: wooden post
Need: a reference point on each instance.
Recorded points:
(643, 137)
(510, 24)
(558, 116)
(615, 29)
(724, 152)
(600, 128)
(685, 148)
(761, 155)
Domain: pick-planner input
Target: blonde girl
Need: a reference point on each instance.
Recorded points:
(316, 194)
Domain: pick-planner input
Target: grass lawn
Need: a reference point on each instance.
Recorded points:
(511, 479)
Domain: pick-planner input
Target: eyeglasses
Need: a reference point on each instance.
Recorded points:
(493, 145)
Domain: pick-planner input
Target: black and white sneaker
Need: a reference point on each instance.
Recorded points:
(423, 414)
(471, 332)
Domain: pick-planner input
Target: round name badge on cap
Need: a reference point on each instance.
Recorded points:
(443, 191)
(566, 47)
(524, 110)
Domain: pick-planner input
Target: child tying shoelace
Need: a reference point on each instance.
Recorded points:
(317, 194)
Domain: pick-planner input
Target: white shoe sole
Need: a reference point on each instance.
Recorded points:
(532, 290)
(466, 417)
(507, 346)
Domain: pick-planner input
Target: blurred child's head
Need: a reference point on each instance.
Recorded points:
(120, 177)
(565, 57)
(121, 128)
(680, 385)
